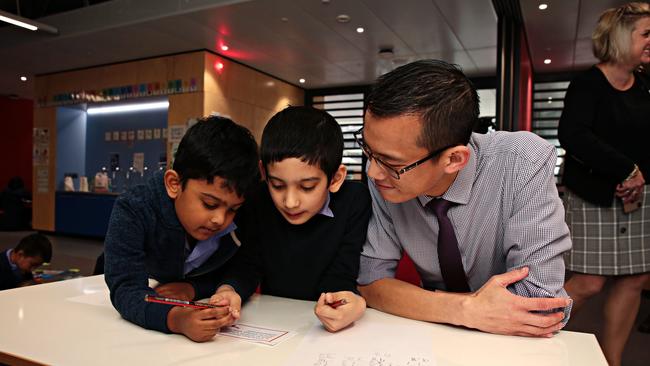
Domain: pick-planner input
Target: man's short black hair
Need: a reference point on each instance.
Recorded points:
(35, 245)
(437, 92)
(309, 134)
(218, 147)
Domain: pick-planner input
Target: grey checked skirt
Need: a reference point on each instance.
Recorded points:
(605, 240)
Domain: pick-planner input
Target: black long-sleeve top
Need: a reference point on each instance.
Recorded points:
(605, 132)
(300, 261)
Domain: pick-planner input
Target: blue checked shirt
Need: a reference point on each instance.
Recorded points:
(508, 215)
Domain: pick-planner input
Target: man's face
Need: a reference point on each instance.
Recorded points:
(394, 141)
(298, 189)
(203, 209)
(27, 264)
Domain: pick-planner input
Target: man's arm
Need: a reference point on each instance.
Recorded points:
(491, 309)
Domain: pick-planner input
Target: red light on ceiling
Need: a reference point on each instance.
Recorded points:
(218, 65)
(224, 47)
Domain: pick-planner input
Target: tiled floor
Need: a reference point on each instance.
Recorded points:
(69, 252)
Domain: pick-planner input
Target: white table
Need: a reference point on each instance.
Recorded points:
(41, 325)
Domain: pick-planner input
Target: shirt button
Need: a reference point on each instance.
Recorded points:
(623, 230)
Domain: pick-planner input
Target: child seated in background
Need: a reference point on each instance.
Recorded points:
(303, 229)
(17, 264)
(177, 229)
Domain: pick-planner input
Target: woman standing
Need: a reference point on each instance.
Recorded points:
(605, 127)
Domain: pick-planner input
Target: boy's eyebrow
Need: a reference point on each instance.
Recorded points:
(219, 200)
(310, 179)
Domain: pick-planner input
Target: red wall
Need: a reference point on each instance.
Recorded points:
(16, 123)
(525, 86)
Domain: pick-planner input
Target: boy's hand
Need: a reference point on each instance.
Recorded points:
(176, 290)
(227, 296)
(197, 325)
(339, 317)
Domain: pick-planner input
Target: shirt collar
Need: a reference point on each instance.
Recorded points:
(12, 264)
(326, 210)
(461, 189)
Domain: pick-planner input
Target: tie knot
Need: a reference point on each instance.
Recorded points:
(439, 206)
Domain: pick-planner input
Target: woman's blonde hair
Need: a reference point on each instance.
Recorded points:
(612, 36)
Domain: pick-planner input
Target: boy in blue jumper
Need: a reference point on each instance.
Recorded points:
(17, 264)
(178, 230)
(303, 229)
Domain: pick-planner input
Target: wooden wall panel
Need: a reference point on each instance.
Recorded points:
(247, 96)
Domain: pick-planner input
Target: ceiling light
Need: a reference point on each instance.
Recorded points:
(224, 48)
(128, 108)
(23, 78)
(302, 81)
(360, 30)
(543, 6)
(342, 18)
(547, 61)
(26, 23)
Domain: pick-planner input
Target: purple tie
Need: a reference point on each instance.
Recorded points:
(451, 265)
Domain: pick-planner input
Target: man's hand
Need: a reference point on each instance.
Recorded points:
(197, 325)
(494, 309)
(227, 296)
(339, 317)
(176, 290)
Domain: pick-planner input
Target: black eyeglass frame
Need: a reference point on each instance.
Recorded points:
(358, 137)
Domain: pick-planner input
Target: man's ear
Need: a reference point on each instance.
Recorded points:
(338, 178)
(173, 184)
(262, 170)
(455, 159)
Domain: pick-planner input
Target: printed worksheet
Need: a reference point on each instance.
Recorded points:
(366, 344)
(256, 334)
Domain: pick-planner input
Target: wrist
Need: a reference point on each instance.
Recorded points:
(633, 174)
(174, 317)
(225, 288)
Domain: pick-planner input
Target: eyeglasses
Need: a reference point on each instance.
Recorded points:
(391, 170)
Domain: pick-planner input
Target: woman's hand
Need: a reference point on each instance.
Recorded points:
(631, 190)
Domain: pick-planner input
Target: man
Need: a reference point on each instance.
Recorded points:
(478, 214)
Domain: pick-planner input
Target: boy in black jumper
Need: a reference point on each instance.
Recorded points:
(17, 264)
(303, 230)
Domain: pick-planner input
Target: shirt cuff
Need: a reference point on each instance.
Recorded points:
(373, 269)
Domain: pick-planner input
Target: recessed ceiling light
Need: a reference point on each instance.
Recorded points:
(224, 48)
(23, 78)
(301, 81)
(360, 30)
(547, 61)
(342, 18)
(284, 19)
(543, 6)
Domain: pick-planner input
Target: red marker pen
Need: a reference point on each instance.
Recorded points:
(176, 302)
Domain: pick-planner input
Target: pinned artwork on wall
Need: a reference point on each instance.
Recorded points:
(156, 133)
(107, 136)
(123, 136)
(131, 135)
(148, 134)
(116, 135)
(140, 134)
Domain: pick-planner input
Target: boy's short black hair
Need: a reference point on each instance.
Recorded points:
(218, 147)
(35, 245)
(309, 134)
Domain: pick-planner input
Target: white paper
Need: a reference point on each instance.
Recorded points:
(366, 344)
(98, 298)
(256, 334)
